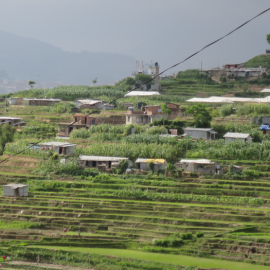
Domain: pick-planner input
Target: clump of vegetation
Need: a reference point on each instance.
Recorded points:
(201, 115)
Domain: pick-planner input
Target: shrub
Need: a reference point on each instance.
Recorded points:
(186, 236)
(251, 173)
(199, 234)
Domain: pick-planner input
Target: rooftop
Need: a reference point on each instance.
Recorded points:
(10, 118)
(236, 135)
(63, 144)
(44, 99)
(148, 160)
(89, 101)
(197, 161)
(141, 93)
(101, 158)
(14, 186)
(198, 129)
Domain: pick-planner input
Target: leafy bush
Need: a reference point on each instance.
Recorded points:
(186, 236)
(251, 173)
(199, 234)
(123, 165)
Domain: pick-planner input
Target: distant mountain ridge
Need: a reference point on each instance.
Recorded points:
(24, 59)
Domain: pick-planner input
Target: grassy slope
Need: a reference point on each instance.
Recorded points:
(165, 258)
(262, 60)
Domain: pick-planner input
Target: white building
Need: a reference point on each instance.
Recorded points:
(93, 104)
(15, 190)
(234, 136)
(245, 72)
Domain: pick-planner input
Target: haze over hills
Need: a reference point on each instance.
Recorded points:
(28, 59)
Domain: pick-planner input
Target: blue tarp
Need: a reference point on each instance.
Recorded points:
(264, 127)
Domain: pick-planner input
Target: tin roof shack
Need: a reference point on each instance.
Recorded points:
(60, 148)
(265, 129)
(147, 115)
(14, 121)
(142, 94)
(15, 190)
(15, 101)
(200, 133)
(78, 121)
(143, 164)
(101, 162)
(40, 101)
(233, 136)
(202, 166)
(95, 104)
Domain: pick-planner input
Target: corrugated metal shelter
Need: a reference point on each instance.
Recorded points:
(15, 101)
(93, 104)
(15, 190)
(143, 164)
(233, 136)
(96, 161)
(214, 99)
(204, 166)
(265, 90)
(142, 93)
(60, 148)
(14, 121)
(200, 133)
(40, 101)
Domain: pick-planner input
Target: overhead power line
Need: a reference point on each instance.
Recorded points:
(175, 65)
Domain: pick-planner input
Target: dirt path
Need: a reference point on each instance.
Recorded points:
(47, 265)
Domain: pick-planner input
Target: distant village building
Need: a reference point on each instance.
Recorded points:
(261, 120)
(15, 101)
(40, 101)
(14, 121)
(60, 148)
(203, 166)
(234, 136)
(79, 121)
(94, 104)
(166, 77)
(147, 115)
(101, 162)
(143, 164)
(33, 101)
(15, 190)
(200, 133)
(245, 72)
(228, 66)
(267, 51)
(152, 70)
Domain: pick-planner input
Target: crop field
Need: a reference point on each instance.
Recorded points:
(76, 218)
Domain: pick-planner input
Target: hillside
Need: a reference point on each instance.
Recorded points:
(262, 60)
(24, 58)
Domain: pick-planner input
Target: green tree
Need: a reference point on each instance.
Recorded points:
(130, 81)
(6, 135)
(268, 38)
(94, 81)
(143, 78)
(165, 110)
(31, 83)
(201, 115)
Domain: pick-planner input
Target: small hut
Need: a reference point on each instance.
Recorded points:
(15, 190)
(143, 164)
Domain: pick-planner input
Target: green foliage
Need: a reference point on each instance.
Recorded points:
(31, 83)
(199, 234)
(169, 242)
(223, 79)
(143, 78)
(165, 109)
(170, 124)
(146, 138)
(151, 166)
(123, 165)
(130, 81)
(73, 92)
(251, 173)
(6, 136)
(201, 115)
(258, 61)
(195, 75)
(226, 110)
(156, 130)
(37, 130)
(268, 38)
(253, 109)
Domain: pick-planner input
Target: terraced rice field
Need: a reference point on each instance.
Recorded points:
(233, 231)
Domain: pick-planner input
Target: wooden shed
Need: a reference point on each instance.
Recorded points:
(15, 190)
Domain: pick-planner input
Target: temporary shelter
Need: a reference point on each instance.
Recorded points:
(143, 164)
(15, 190)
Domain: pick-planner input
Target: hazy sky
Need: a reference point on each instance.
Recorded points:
(166, 31)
